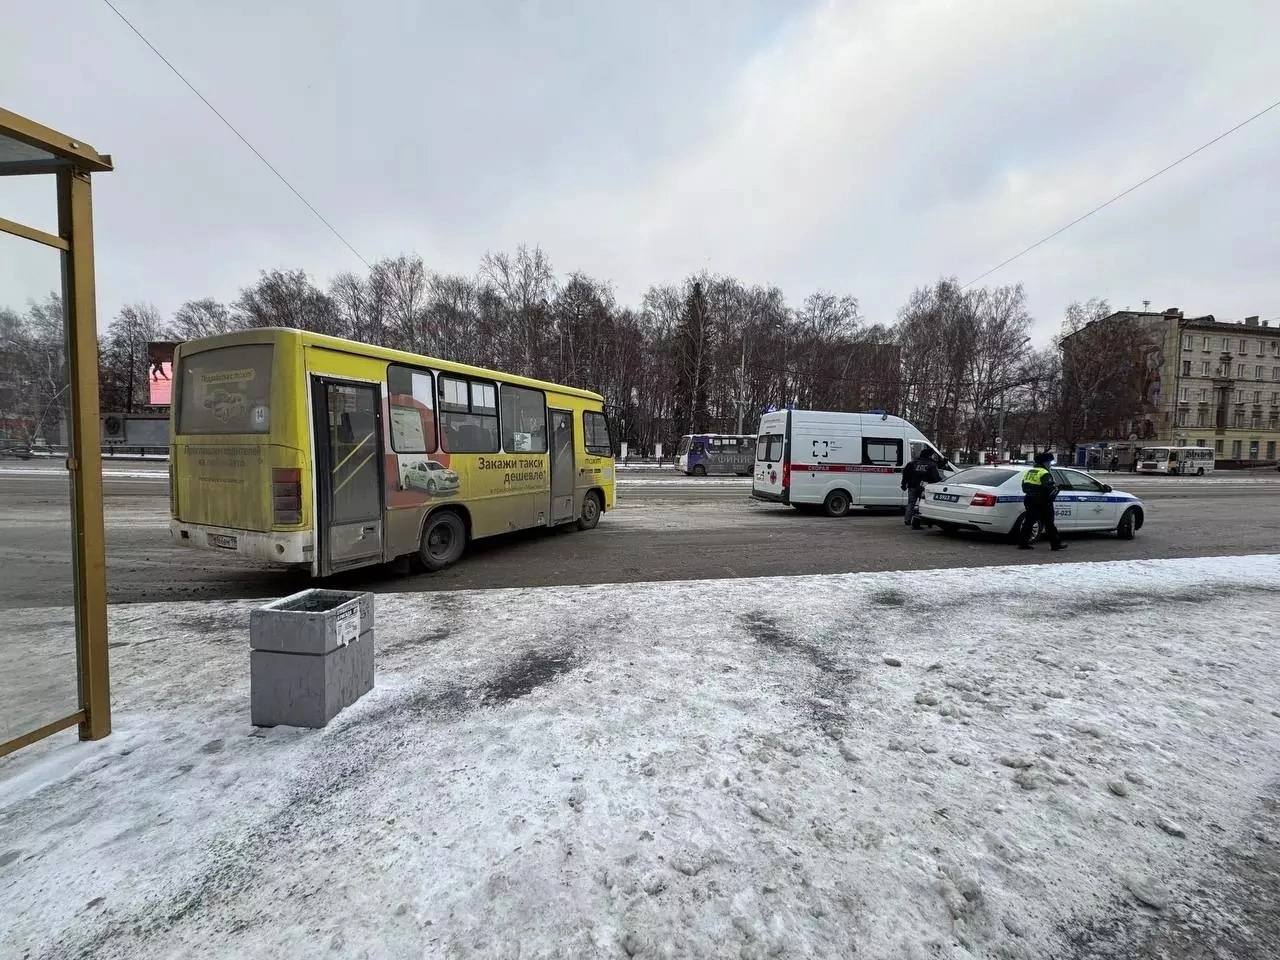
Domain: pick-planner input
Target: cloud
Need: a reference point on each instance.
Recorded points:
(859, 147)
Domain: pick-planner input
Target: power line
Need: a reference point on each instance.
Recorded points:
(1124, 193)
(280, 176)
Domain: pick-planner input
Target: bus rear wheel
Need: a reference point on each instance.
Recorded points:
(443, 540)
(1200, 472)
(591, 511)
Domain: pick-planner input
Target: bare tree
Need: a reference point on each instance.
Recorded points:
(201, 318)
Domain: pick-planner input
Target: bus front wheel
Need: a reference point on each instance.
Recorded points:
(443, 540)
(699, 470)
(1200, 472)
(590, 512)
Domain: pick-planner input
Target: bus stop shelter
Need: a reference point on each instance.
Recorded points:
(38, 694)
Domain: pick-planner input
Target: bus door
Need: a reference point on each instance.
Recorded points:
(562, 468)
(348, 453)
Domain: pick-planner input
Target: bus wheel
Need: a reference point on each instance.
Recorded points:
(1200, 472)
(443, 540)
(699, 470)
(836, 504)
(1127, 524)
(590, 512)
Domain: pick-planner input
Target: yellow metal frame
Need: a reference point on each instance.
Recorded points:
(72, 162)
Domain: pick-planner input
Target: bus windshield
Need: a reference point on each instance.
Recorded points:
(226, 390)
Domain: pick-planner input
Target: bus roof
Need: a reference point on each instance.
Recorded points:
(307, 338)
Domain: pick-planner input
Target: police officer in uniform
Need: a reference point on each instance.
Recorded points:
(923, 469)
(1039, 492)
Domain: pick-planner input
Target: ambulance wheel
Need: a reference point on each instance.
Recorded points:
(1128, 523)
(591, 511)
(443, 540)
(837, 504)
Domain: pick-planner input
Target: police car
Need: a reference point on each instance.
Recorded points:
(990, 499)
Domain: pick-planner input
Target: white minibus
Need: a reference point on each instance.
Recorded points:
(1184, 461)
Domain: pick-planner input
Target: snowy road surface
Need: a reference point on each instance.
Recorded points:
(1008, 762)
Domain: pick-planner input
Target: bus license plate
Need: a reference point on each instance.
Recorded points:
(947, 497)
(222, 540)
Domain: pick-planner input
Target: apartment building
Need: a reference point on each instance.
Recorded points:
(1215, 383)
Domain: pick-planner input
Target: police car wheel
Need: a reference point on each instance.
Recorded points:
(1016, 533)
(1128, 524)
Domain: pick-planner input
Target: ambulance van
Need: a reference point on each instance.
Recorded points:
(813, 460)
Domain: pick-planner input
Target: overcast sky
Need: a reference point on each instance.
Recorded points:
(858, 147)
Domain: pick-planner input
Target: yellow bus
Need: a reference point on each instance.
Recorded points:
(312, 451)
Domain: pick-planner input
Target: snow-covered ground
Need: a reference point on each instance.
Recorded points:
(1066, 761)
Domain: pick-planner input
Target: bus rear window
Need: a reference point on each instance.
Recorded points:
(225, 390)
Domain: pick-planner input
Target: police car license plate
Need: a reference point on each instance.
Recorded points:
(222, 540)
(947, 497)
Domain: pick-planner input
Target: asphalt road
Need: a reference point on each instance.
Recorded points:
(665, 528)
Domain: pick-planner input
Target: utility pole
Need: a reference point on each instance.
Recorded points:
(742, 381)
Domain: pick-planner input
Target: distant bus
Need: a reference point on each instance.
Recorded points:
(700, 454)
(309, 451)
(1185, 461)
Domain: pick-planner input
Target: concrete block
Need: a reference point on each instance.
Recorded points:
(307, 662)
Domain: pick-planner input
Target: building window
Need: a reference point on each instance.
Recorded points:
(1235, 449)
(1271, 449)
(1204, 394)
(1257, 372)
(1238, 420)
(596, 431)
(1239, 371)
(1244, 346)
(1186, 368)
(1204, 368)
(1202, 417)
(1226, 344)
(1217, 447)
(1253, 449)
(1199, 443)
(524, 420)
(1182, 418)
(1183, 394)
(1275, 397)
(1274, 421)
(468, 415)
(411, 403)
(1257, 396)
(1275, 374)
(1205, 347)
(1238, 398)
(1255, 421)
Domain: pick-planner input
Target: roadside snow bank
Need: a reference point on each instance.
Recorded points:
(998, 762)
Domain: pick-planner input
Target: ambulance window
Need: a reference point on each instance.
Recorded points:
(882, 451)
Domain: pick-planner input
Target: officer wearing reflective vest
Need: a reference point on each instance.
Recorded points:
(1039, 492)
